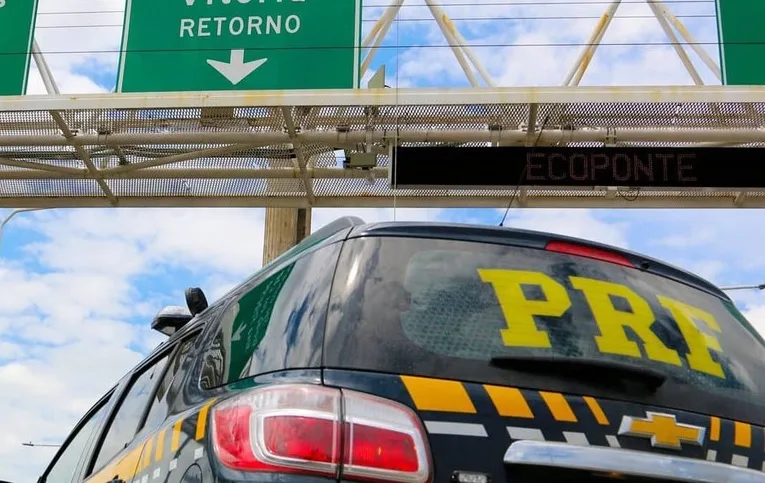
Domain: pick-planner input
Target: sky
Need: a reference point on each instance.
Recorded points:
(78, 288)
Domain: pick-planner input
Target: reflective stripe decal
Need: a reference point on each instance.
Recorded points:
(525, 433)
(714, 429)
(596, 410)
(559, 407)
(147, 453)
(438, 395)
(160, 445)
(573, 437)
(613, 441)
(456, 429)
(578, 419)
(742, 434)
(202, 420)
(176, 442)
(147, 457)
(509, 401)
(127, 465)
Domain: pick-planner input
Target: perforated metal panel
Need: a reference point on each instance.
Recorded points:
(238, 149)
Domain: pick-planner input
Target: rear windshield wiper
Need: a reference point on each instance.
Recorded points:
(592, 371)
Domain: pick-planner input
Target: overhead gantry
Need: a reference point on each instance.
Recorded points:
(237, 149)
(290, 151)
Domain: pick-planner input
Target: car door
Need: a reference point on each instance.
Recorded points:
(119, 452)
(65, 465)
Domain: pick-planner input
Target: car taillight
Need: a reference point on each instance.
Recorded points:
(317, 430)
(383, 440)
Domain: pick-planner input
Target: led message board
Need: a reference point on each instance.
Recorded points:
(506, 167)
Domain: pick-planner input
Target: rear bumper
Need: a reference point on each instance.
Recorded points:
(627, 462)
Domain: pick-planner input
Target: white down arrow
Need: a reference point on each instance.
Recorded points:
(236, 69)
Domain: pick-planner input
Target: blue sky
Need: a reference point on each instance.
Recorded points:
(81, 285)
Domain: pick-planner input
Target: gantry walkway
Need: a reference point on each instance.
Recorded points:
(293, 149)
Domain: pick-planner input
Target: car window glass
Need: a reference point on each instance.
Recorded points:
(445, 308)
(63, 469)
(159, 405)
(275, 322)
(124, 426)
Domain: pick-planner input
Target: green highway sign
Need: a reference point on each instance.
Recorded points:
(742, 41)
(17, 27)
(212, 45)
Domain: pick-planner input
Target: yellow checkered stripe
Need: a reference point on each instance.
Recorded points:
(545, 415)
(157, 454)
(443, 395)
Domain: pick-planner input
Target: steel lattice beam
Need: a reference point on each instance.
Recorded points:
(220, 149)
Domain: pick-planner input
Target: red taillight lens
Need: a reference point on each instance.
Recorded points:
(381, 448)
(232, 437)
(384, 441)
(297, 429)
(588, 252)
(281, 429)
(301, 438)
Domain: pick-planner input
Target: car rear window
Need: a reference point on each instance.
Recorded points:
(443, 308)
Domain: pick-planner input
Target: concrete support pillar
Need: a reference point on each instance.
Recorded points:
(285, 227)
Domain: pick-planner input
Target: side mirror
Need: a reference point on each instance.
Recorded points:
(195, 300)
(170, 320)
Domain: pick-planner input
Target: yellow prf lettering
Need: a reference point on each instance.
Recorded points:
(519, 312)
(698, 342)
(612, 322)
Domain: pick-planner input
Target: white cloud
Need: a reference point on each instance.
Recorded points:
(571, 222)
(755, 313)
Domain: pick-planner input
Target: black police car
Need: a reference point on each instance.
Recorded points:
(431, 352)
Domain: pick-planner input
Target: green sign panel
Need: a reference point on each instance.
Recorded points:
(17, 27)
(742, 41)
(211, 45)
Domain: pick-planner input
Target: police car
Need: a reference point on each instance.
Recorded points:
(431, 352)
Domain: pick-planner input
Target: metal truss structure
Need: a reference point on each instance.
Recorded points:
(288, 148)
(285, 148)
